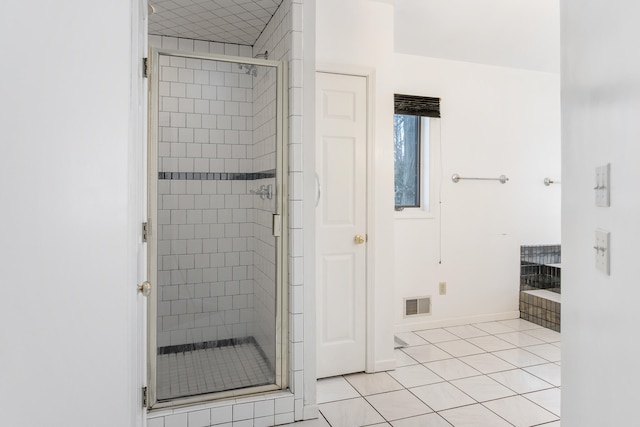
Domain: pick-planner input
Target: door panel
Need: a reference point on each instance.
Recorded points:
(339, 155)
(341, 140)
(338, 294)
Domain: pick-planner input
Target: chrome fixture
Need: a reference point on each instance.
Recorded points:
(250, 69)
(502, 178)
(549, 181)
(264, 191)
(145, 288)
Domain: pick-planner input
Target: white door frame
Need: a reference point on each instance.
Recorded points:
(138, 197)
(369, 75)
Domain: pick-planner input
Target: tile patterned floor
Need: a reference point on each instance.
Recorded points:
(492, 374)
(209, 370)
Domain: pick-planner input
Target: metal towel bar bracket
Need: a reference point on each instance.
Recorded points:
(502, 178)
(549, 181)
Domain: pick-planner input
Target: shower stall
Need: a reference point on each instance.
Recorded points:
(216, 246)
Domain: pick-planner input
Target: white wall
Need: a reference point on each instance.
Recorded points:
(357, 37)
(521, 34)
(306, 296)
(68, 224)
(494, 121)
(600, 108)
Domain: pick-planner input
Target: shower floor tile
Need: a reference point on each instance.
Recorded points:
(211, 370)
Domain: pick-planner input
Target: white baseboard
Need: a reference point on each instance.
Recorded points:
(384, 365)
(424, 323)
(310, 412)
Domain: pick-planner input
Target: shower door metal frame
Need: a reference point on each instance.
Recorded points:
(281, 214)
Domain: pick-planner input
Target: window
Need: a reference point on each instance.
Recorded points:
(411, 150)
(407, 161)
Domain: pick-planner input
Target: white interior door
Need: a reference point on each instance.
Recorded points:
(341, 141)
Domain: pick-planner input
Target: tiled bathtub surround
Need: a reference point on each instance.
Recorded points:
(540, 309)
(540, 267)
(536, 276)
(541, 254)
(540, 274)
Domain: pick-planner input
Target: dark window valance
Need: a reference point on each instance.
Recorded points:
(417, 105)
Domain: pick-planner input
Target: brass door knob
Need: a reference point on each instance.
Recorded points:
(358, 239)
(145, 288)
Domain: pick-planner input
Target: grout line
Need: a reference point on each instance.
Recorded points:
(518, 368)
(535, 403)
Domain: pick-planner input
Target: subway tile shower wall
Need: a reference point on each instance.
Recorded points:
(264, 158)
(204, 261)
(217, 134)
(205, 116)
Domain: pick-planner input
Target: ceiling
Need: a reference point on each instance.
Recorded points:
(509, 33)
(228, 21)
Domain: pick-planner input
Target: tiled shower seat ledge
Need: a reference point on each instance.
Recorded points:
(264, 410)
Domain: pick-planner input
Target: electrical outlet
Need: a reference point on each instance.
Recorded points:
(602, 249)
(443, 288)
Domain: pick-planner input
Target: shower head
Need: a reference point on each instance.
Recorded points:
(264, 55)
(249, 69)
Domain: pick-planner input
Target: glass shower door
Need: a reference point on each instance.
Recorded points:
(215, 318)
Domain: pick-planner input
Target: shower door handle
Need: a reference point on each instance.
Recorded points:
(145, 288)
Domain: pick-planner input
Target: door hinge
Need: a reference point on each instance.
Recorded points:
(277, 225)
(144, 397)
(145, 68)
(145, 231)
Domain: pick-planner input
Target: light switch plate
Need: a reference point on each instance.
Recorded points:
(603, 185)
(602, 250)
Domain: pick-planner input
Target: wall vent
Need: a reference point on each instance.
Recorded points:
(418, 306)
